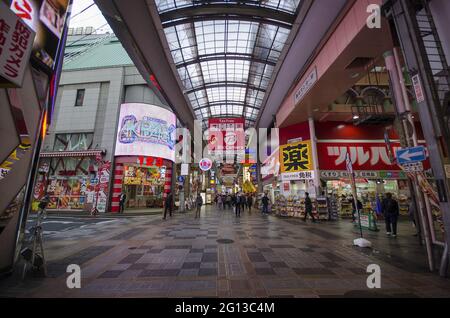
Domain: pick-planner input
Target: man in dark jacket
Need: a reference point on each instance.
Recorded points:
(238, 205)
(198, 203)
(168, 205)
(265, 204)
(391, 212)
(308, 207)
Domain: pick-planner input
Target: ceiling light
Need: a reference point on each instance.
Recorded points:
(355, 117)
(340, 126)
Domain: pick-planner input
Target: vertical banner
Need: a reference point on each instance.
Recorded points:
(104, 172)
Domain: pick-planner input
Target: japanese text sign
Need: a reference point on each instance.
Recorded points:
(296, 157)
(16, 42)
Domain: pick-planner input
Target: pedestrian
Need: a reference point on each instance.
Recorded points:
(391, 212)
(308, 208)
(228, 200)
(168, 205)
(250, 203)
(412, 215)
(220, 202)
(122, 199)
(238, 205)
(198, 203)
(243, 201)
(265, 203)
(354, 210)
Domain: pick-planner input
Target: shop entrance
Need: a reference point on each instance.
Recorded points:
(144, 186)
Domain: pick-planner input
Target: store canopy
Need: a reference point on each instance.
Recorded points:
(226, 51)
(84, 153)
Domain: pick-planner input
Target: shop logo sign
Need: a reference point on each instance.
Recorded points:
(148, 130)
(205, 164)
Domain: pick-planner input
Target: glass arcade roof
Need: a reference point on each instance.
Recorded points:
(225, 52)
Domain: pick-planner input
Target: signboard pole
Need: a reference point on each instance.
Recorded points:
(361, 242)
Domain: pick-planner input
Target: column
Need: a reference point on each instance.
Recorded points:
(117, 187)
(312, 133)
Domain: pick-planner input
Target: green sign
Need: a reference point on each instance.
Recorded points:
(368, 222)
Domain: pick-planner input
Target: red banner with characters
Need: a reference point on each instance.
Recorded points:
(365, 155)
(226, 134)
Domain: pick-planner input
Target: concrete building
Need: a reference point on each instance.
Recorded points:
(98, 76)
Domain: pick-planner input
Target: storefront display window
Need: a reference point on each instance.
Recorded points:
(144, 186)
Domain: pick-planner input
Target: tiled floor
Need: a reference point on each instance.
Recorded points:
(262, 256)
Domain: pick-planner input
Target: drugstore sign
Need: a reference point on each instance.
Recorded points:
(364, 155)
(296, 157)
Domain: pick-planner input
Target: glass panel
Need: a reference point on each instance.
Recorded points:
(226, 65)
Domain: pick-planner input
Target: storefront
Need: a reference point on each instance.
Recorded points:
(73, 180)
(372, 160)
(144, 156)
(143, 180)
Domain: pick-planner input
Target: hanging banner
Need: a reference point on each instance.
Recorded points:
(296, 157)
(46, 18)
(226, 135)
(16, 43)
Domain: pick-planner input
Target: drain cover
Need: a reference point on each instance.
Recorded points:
(225, 241)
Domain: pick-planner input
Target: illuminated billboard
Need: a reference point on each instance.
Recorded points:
(146, 130)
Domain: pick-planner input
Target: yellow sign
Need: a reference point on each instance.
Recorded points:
(296, 157)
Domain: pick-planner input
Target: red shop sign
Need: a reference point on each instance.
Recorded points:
(366, 156)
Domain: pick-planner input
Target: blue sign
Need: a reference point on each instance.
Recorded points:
(180, 179)
(411, 155)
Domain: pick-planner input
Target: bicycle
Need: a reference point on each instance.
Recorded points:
(31, 256)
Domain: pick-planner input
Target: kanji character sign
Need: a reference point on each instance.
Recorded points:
(296, 157)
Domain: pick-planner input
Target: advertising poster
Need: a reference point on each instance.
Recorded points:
(16, 42)
(104, 174)
(46, 18)
(146, 130)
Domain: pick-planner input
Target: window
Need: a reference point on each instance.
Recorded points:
(73, 142)
(80, 97)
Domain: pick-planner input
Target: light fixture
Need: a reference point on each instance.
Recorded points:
(355, 117)
(340, 126)
(355, 75)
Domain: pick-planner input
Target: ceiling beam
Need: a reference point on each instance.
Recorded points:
(223, 84)
(221, 56)
(242, 12)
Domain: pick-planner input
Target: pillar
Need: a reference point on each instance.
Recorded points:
(312, 133)
(117, 187)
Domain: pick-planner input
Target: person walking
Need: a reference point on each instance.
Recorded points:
(168, 205)
(198, 203)
(391, 212)
(265, 204)
(220, 202)
(308, 208)
(238, 205)
(250, 203)
(122, 200)
(412, 215)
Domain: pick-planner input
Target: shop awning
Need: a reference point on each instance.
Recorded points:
(84, 153)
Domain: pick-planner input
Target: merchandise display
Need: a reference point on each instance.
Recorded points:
(294, 206)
